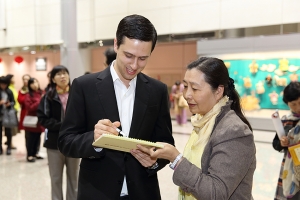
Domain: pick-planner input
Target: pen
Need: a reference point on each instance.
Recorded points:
(120, 132)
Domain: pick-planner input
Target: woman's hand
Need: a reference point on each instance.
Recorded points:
(284, 141)
(168, 152)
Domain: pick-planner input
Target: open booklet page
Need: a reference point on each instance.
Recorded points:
(122, 143)
(278, 124)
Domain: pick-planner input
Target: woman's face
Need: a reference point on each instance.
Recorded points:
(25, 80)
(295, 106)
(198, 93)
(35, 85)
(61, 79)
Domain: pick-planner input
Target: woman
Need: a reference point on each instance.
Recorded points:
(21, 99)
(51, 113)
(179, 109)
(11, 86)
(33, 135)
(291, 96)
(219, 158)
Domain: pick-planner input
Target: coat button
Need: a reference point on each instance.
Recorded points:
(91, 157)
(120, 182)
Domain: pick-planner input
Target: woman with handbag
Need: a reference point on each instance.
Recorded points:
(33, 136)
(6, 101)
(51, 112)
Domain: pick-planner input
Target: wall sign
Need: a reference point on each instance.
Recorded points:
(41, 64)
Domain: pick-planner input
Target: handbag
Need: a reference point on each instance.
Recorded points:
(182, 103)
(9, 118)
(30, 121)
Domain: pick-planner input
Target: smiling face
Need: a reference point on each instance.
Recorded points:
(132, 57)
(198, 93)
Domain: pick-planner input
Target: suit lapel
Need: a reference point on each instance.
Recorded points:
(140, 104)
(106, 92)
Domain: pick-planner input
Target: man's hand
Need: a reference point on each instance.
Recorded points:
(105, 126)
(145, 159)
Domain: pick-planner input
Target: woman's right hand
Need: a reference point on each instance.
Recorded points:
(284, 141)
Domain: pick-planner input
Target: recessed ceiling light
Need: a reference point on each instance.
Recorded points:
(25, 48)
(11, 53)
(33, 52)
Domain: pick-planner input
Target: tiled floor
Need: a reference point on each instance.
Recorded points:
(20, 180)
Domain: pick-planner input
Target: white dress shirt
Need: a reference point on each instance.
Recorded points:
(125, 100)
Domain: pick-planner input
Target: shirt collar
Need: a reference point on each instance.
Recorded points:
(116, 77)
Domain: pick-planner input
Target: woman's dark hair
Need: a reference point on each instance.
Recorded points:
(216, 74)
(30, 90)
(54, 71)
(291, 92)
(136, 27)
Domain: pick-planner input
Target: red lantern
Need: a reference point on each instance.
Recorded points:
(0, 60)
(19, 59)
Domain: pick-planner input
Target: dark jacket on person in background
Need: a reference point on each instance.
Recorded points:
(51, 115)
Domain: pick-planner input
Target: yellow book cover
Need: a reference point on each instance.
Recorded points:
(120, 143)
(295, 153)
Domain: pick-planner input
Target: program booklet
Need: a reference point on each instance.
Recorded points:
(278, 124)
(120, 143)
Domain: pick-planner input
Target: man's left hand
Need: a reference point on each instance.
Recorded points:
(143, 158)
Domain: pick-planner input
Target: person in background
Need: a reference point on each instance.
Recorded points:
(110, 56)
(119, 96)
(51, 113)
(291, 96)
(21, 99)
(218, 161)
(11, 86)
(33, 138)
(180, 111)
(49, 82)
(6, 101)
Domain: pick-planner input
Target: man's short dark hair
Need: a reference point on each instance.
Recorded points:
(110, 55)
(136, 27)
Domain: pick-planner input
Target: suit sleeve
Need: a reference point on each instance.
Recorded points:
(74, 141)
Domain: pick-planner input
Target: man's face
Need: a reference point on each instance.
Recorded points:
(132, 57)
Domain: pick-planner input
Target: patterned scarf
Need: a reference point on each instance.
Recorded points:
(62, 91)
(203, 125)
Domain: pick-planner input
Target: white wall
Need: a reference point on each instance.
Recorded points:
(31, 22)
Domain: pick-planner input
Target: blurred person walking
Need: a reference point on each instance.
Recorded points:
(7, 100)
(179, 103)
(11, 86)
(51, 113)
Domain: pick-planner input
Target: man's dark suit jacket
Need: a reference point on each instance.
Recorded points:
(92, 98)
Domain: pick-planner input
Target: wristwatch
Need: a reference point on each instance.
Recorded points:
(154, 166)
(173, 164)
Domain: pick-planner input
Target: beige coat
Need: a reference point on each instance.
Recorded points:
(228, 162)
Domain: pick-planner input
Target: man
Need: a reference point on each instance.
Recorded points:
(110, 56)
(120, 96)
